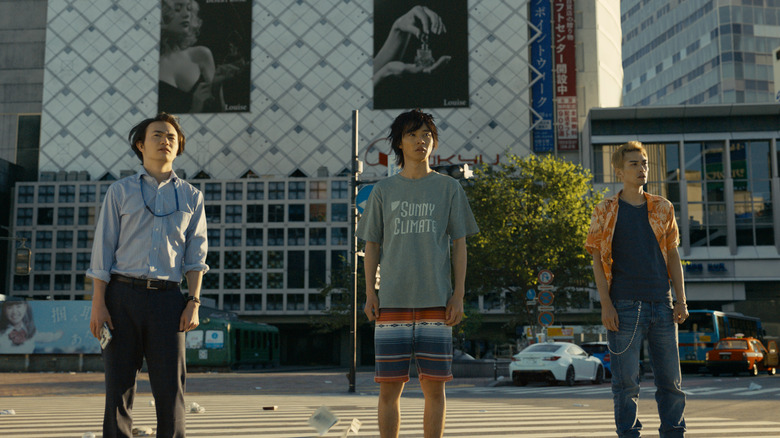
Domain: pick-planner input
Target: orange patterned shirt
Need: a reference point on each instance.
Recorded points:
(660, 213)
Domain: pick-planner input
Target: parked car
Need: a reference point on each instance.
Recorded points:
(600, 351)
(740, 354)
(555, 362)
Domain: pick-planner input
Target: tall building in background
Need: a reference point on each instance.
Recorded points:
(698, 52)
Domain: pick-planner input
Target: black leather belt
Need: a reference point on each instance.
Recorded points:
(150, 283)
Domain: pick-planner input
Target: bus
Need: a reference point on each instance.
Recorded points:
(704, 328)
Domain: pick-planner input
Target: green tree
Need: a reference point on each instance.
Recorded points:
(339, 314)
(533, 214)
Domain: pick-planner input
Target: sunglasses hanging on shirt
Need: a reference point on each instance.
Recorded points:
(175, 193)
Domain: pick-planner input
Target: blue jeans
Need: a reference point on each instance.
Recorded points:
(656, 324)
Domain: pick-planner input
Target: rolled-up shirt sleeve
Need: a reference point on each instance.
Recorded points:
(106, 238)
(196, 246)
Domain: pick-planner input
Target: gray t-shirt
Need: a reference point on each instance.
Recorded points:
(414, 220)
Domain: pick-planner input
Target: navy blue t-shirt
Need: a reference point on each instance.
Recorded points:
(638, 266)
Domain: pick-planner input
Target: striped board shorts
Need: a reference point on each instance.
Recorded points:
(401, 333)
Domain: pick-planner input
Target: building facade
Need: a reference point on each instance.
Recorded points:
(698, 52)
(719, 167)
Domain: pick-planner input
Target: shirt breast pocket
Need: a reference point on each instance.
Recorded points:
(177, 230)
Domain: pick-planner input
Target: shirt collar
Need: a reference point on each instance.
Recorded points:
(143, 172)
(648, 197)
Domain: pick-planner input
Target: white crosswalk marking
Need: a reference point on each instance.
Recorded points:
(645, 390)
(243, 417)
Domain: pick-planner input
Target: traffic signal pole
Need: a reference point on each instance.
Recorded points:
(356, 170)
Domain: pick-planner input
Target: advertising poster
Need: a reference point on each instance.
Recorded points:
(565, 76)
(46, 327)
(420, 54)
(542, 67)
(205, 48)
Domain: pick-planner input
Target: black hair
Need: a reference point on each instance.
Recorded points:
(410, 121)
(138, 133)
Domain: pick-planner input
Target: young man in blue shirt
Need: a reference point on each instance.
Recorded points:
(151, 232)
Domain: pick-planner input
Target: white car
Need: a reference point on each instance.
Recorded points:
(555, 362)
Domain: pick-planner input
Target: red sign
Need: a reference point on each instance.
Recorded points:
(565, 76)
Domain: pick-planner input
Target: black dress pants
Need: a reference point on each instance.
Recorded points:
(146, 324)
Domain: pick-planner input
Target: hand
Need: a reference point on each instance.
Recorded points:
(609, 316)
(372, 306)
(454, 312)
(680, 312)
(189, 317)
(399, 68)
(201, 96)
(99, 316)
(420, 20)
(228, 71)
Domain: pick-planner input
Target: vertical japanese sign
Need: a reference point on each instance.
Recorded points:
(565, 76)
(542, 89)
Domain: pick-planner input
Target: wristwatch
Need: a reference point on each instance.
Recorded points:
(193, 298)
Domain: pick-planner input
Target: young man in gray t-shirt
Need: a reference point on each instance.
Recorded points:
(408, 223)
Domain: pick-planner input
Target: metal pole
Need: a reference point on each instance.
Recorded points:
(354, 247)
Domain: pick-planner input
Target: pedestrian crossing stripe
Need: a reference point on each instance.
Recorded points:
(243, 416)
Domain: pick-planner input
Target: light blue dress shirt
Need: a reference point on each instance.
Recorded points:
(131, 241)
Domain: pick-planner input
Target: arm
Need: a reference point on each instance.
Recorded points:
(454, 313)
(189, 317)
(419, 20)
(100, 313)
(676, 273)
(609, 315)
(103, 251)
(370, 263)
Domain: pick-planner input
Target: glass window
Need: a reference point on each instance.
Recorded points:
(317, 260)
(213, 237)
(275, 190)
(318, 212)
(339, 189)
(85, 238)
(296, 236)
(67, 193)
(83, 283)
(706, 207)
(233, 237)
(255, 190)
(41, 282)
(297, 212)
(64, 239)
(21, 282)
(213, 214)
(45, 194)
(254, 213)
(213, 192)
(274, 301)
(65, 216)
(234, 191)
(297, 190)
(318, 190)
(86, 193)
(103, 191)
(338, 260)
(86, 215)
(82, 261)
(275, 281)
(26, 194)
(751, 170)
(232, 280)
(317, 236)
(210, 281)
(63, 262)
(43, 239)
(296, 269)
(62, 282)
(276, 237)
(231, 301)
(254, 237)
(232, 259)
(276, 213)
(254, 260)
(233, 214)
(295, 302)
(275, 259)
(254, 301)
(338, 236)
(212, 259)
(45, 216)
(338, 212)
(24, 217)
(42, 261)
(316, 302)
